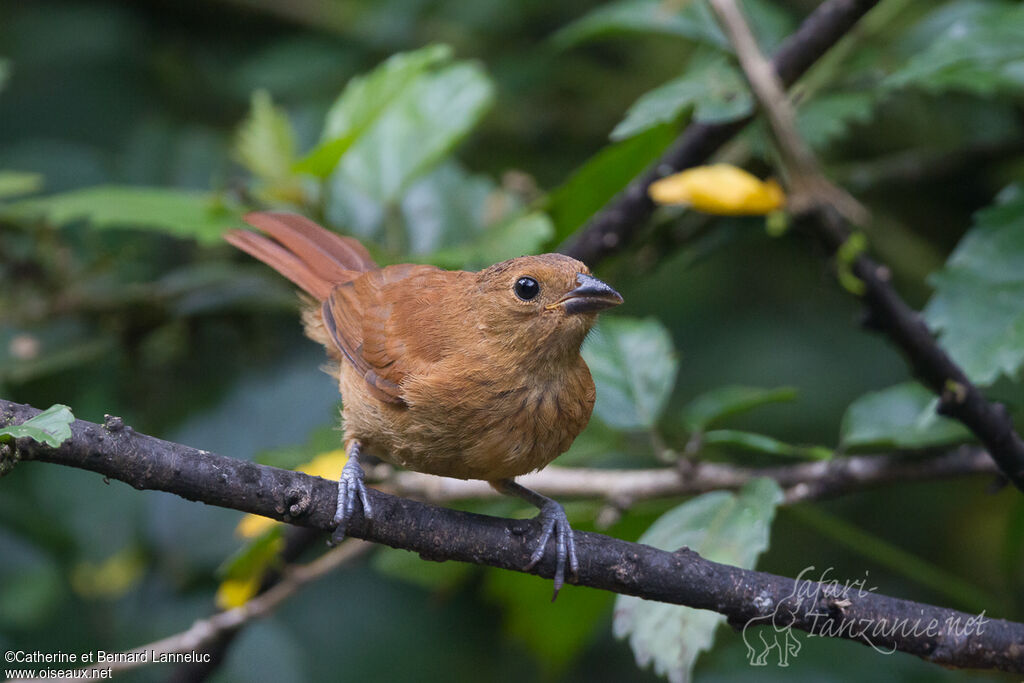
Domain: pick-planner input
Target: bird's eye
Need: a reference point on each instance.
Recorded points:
(526, 288)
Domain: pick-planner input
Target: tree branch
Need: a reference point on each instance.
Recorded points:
(818, 214)
(680, 577)
(616, 225)
(800, 481)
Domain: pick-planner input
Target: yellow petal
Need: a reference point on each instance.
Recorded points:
(327, 465)
(236, 592)
(253, 526)
(719, 189)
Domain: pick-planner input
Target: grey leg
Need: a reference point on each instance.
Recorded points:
(351, 488)
(554, 522)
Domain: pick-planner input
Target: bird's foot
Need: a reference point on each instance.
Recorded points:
(552, 517)
(351, 488)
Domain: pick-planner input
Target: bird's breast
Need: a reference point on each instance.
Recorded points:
(476, 422)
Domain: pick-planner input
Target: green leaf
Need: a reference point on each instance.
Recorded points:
(825, 119)
(434, 112)
(978, 49)
(978, 306)
(15, 183)
(603, 176)
(902, 416)
(5, 72)
(265, 143)
(523, 235)
(723, 527)
(693, 20)
(714, 89)
(555, 636)
(392, 126)
(202, 216)
(724, 402)
(51, 427)
(759, 443)
(449, 207)
(255, 557)
(364, 100)
(634, 367)
(410, 567)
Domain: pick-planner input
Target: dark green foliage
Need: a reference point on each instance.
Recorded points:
(460, 134)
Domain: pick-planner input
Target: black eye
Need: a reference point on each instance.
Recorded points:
(526, 288)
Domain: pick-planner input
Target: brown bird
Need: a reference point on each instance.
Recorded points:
(458, 374)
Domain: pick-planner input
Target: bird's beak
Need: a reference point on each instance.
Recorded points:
(591, 296)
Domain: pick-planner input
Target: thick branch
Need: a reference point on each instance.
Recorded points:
(616, 224)
(682, 577)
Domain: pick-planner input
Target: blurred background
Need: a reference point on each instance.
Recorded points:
(128, 304)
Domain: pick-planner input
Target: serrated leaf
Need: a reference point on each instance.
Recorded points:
(15, 183)
(634, 366)
(602, 177)
(979, 49)
(692, 20)
(51, 427)
(265, 143)
(826, 118)
(202, 216)
(978, 306)
(766, 445)
(714, 89)
(902, 416)
(723, 527)
(723, 402)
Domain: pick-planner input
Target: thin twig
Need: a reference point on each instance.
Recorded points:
(801, 481)
(204, 631)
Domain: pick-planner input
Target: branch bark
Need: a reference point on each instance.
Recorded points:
(681, 577)
(617, 224)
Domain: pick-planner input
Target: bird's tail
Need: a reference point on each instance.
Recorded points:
(312, 257)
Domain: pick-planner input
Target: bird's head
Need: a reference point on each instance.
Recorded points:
(542, 306)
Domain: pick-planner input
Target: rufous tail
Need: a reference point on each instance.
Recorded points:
(312, 257)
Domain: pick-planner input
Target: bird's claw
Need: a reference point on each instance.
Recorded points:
(351, 488)
(555, 522)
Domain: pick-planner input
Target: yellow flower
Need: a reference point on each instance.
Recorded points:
(327, 465)
(236, 592)
(719, 189)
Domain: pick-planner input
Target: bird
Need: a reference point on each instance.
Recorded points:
(472, 375)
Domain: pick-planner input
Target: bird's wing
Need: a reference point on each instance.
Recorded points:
(395, 322)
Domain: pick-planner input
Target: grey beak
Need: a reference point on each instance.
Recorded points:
(591, 296)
